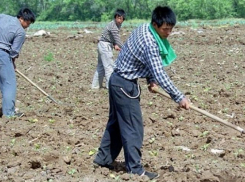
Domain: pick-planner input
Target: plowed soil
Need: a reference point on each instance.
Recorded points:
(58, 142)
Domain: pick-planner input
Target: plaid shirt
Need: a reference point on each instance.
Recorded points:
(140, 58)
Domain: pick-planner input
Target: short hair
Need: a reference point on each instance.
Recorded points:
(27, 15)
(161, 15)
(120, 12)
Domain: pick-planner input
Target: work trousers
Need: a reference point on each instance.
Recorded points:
(104, 66)
(125, 125)
(7, 84)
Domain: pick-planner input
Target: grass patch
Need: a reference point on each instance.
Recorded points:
(48, 25)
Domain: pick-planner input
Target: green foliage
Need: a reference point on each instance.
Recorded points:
(49, 57)
(103, 10)
(239, 7)
(72, 172)
(203, 9)
(205, 147)
(105, 16)
(183, 8)
(13, 142)
(204, 134)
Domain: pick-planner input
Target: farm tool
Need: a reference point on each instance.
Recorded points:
(205, 113)
(35, 85)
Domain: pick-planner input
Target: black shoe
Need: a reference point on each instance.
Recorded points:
(151, 175)
(109, 166)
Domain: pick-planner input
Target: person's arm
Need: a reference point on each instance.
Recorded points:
(116, 36)
(17, 44)
(154, 63)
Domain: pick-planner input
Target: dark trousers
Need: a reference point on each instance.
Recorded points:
(124, 127)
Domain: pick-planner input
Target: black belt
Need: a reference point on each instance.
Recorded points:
(5, 50)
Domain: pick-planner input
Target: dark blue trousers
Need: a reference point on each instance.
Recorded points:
(125, 126)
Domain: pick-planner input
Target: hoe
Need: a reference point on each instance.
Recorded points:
(205, 113)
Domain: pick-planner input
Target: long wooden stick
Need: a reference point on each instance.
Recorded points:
(205, 113)
(21, 74)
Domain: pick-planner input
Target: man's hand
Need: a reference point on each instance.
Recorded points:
(117, 48)
(13, 60)
(151, 86)
(184, 103)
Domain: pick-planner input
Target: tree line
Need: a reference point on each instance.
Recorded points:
(102, 10)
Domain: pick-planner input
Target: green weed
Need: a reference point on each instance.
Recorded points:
(72, 171)
(13, 142)
(49, 57)
(205, 147)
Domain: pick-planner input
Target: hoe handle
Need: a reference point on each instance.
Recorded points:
(21, 74)
(205, 113)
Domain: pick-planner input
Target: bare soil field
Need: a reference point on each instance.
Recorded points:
(58, 142)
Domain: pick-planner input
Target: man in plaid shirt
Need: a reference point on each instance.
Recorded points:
(138, 58)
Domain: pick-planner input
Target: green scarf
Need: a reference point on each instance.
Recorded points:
(166, 51)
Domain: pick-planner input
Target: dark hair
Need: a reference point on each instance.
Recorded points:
(27, 15)
(161, 15)
(120, 12)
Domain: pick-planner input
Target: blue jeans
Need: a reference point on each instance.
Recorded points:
(7, 84)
